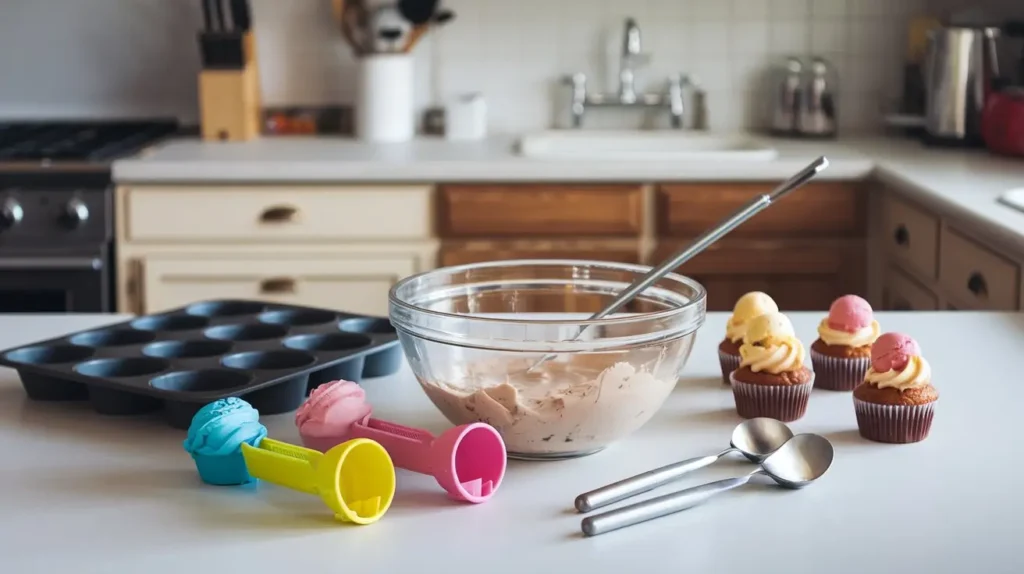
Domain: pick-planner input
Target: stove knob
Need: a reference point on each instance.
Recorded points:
(76, 212)
(11, 213)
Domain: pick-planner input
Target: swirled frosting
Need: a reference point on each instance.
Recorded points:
(220, 428)
(770, 345)
(747, 307)
(916, 373)
(331, 409)
(858, 338)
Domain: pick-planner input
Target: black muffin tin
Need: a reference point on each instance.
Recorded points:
(270, 355)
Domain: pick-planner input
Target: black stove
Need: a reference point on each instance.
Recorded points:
(56, 211)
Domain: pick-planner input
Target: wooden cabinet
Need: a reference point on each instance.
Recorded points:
(816, 210)
(932, 262)
(799, 274)
(462, 252)
(539, 210)
(354, 284)
(903, 293)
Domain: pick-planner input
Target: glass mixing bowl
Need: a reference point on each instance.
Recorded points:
(474, 334)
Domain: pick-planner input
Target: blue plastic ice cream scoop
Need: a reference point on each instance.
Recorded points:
(215, 440)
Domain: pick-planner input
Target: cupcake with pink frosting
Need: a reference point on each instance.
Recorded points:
(325, 418)
(842, 353)
(896, 401)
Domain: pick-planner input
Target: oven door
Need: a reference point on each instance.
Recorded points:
(35, 282)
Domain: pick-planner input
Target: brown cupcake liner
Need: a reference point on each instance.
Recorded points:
(786, 403)
(837, 373)
(729, 364)
(895, 424)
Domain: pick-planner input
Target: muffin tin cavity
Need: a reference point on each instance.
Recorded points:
(302, 318)
(373, 325)
(51, 355)
(120, 368)
(270, 355)
(225, 308)
(170, 323)
(112, 338)
(196, 349)
(256, 332)
(210, 380)
(269, 360)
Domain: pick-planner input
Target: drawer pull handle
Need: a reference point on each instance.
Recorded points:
(279, 214)
(277, 286)
(976, 284)
(902, 236)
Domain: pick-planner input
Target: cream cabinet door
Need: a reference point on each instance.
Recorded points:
(346, 283)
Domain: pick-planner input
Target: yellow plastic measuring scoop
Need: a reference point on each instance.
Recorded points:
(355, 479)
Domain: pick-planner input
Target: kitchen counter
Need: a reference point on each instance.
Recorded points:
(86, 493)
(956, 183)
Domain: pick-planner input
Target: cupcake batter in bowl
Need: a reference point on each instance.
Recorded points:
(472, 333)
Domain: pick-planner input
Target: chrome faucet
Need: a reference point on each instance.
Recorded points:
(632, 58)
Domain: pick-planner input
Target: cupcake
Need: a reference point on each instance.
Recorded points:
(896, 401)
(772, 380)
(215, 440)
(327, 415)
(747, 307)
(842, 353)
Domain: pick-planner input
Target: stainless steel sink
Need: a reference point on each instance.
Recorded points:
(644, 146)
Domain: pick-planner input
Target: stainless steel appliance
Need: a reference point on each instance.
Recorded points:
(56, 212)
(960, 65)
(817, 106)
(787, 89)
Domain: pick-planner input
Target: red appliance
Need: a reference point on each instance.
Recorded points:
(1002, 122)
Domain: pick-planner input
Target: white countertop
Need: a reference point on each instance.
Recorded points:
(963, 184)
(84, 493)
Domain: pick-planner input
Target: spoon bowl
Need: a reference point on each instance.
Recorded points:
(799, 462)
(758, 438)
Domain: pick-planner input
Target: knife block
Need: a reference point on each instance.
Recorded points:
(229, 87)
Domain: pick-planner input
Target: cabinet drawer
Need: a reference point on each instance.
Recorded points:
(539, 210)
(911, 236)
(223, 214)
(904, 294)
(347, 283)
(975, 276)
(799, 275)
(462, 252)
(820, 209)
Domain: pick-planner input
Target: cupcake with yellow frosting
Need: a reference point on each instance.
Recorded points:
(747, 307)
(896, 401)
(842, 353)
(772, 380)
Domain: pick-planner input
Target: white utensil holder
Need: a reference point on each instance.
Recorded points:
(385, 107)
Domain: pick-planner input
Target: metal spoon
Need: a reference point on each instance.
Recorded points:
(799, 462)
(754, 439)
(755, 206)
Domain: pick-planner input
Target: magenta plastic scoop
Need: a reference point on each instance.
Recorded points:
(468, 461)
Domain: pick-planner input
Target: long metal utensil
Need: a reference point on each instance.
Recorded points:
(756, 205)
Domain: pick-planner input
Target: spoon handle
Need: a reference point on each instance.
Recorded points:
(642, 482)
(659, 506)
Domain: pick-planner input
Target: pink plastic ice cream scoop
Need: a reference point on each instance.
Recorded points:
(850, 313)
(892, 351)
(468, 461)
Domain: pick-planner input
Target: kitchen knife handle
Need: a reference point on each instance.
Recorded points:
(208, 15)
(241, 15)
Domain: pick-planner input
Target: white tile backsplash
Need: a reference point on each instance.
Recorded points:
(513, 51)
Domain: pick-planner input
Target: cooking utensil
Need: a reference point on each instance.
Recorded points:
(754, 207)
(355, 479)
(387, 27)
(817, 115)
(241, 15)
(352, 20)
(799, 462)
(417, 12)
(416, 34)
(960, 66)
(754, 439)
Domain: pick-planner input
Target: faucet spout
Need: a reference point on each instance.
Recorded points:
(631, 45)
(632, 56)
